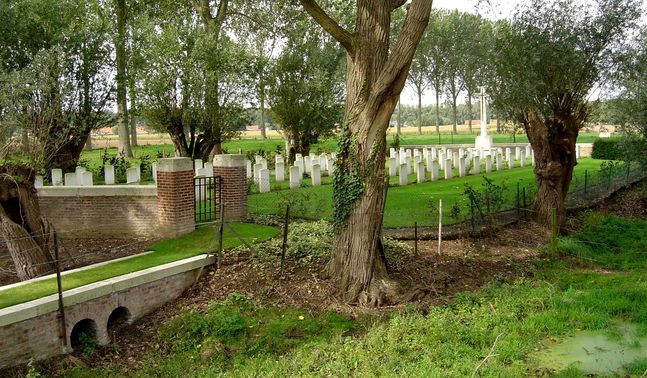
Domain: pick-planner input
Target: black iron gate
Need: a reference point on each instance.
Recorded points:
(208, 197)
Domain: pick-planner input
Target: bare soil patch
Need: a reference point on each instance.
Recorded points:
(464, 264)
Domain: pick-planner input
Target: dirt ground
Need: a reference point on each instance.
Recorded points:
(462, 265)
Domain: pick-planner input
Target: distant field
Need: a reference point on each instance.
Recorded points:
(152, 144)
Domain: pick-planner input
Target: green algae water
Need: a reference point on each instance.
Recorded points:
(603, 352)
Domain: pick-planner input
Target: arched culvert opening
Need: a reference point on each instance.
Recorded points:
(119, 318)
(84, 336)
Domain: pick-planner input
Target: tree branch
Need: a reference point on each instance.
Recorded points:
(395, 4)
(328, 24)
(405, 47)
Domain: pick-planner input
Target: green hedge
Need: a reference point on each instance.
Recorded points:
(606, 149)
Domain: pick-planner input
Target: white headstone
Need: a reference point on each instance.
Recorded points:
(316, 175)
(448, 169)
(404, 171)
(416, 163)
(258, 159)
(462, 169)
(477, 165)
(420, 174)
(507, 153)
(257, 172)
(392, 153)
(522, 159)
(208, 168)
(578, 152)
(86, 179)
(249, 169)
(307, 160)
(38, 181)
(132, 175)
(109, 174)
(528, 150)
(198, 164)
(488, 164)
(434, 171)
(57, 177)
(70, 179)
(510, 163)
(79, 175)
(264, 181)
(279, 173)
(299, 164)
(263, 162)
(499, 162)
(393, 167)
(295, 177)
(517, 153)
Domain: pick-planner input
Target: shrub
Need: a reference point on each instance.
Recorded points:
(606, 149)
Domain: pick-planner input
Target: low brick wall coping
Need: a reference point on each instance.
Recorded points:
(99, 191)
(45, 305)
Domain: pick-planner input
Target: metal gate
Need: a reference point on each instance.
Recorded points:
(208, 197)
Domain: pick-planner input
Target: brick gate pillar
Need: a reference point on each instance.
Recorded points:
(232, 170)
(175, 196)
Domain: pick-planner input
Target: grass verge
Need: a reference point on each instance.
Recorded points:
(164, 252)
(407, 204)
(488, 333)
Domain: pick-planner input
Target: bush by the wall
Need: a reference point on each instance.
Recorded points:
(606, 149)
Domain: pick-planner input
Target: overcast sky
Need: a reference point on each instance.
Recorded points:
(492, 9)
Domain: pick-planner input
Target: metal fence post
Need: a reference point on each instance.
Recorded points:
(285, 238)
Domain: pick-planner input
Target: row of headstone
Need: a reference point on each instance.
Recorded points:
(466, 161)
(314, 165)
(82, 177)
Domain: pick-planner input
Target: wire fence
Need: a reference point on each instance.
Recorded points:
(470, 210)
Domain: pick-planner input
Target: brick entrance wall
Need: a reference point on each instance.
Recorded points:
(234, 184)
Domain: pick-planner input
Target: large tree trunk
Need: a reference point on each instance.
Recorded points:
(374, 83)
(24, 231)
(553, 142)
(122, 107)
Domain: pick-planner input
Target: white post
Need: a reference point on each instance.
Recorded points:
(440, 224)
(57, 177)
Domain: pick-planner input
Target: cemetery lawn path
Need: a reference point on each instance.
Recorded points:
(412, 203)
(164, 252)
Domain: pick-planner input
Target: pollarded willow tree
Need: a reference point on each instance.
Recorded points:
(548, 60)
(376, 75)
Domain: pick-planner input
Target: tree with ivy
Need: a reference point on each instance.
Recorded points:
(376, 74)
(548, 59)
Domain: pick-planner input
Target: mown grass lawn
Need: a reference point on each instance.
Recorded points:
(271, 145)
(165, 251)
(408, 204)
(506, 322)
